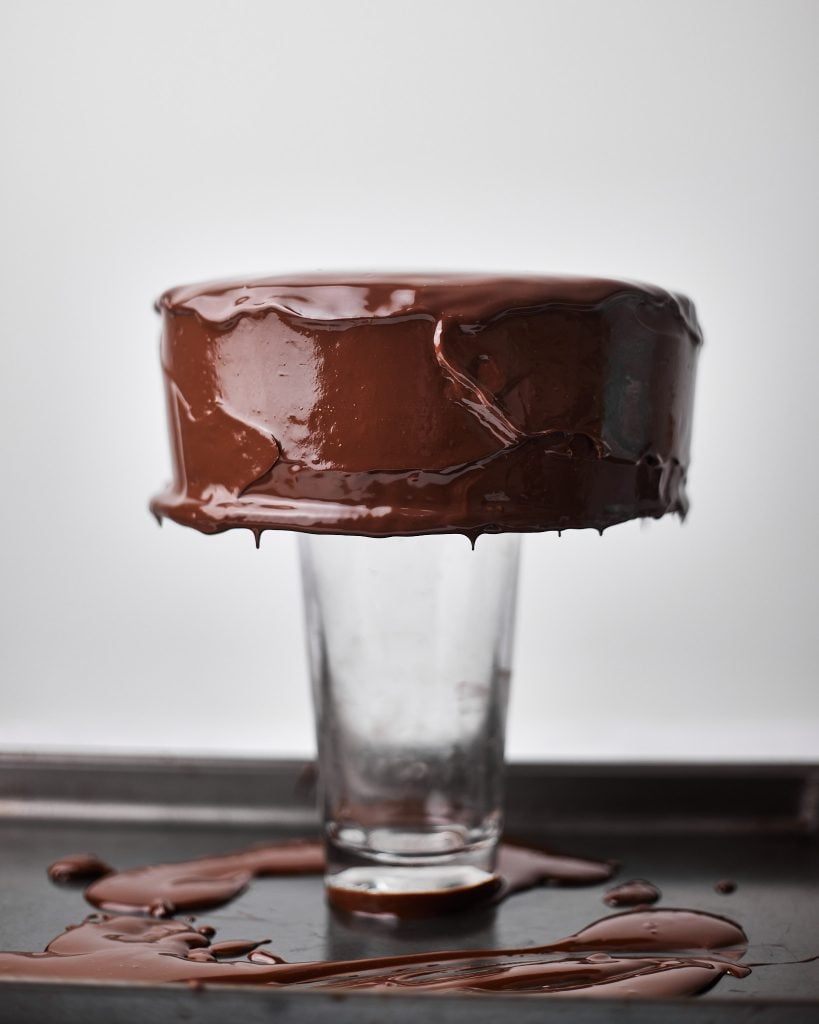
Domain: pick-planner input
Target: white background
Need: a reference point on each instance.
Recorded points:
(150, 144)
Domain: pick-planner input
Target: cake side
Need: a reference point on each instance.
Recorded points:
(401, 405)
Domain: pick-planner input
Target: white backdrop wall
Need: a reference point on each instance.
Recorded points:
(150, 144)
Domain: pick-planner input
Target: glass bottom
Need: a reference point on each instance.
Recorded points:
(411, 872)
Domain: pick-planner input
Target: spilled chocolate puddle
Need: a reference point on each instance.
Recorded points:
(638, 953)
(646, 952)
(166, 889)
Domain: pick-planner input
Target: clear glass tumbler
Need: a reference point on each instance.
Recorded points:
(409, 643)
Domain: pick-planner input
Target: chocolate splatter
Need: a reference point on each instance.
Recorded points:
(236, 947)
(78, 867)
(636, 893)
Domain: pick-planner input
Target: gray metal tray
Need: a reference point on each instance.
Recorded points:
(682, 827)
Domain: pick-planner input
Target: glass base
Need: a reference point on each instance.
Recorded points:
(409, 872)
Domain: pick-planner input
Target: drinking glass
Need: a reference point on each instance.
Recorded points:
(409, 643)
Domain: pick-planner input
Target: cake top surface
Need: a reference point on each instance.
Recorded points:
(343, 297)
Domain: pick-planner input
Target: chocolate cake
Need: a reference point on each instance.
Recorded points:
(410, 404)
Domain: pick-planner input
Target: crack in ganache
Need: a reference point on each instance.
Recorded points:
(487, 410)
(483, 406)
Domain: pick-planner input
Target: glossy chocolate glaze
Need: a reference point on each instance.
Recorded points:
(165, 889)
(420, 403)
(636, 893)
(650, 953)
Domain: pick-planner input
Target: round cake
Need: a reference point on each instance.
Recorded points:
(405, 404)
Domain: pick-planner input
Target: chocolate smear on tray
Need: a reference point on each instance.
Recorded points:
(165, 889)
(636, 893)
(649, 953)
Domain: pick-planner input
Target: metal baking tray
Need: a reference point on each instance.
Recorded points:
(684, 827)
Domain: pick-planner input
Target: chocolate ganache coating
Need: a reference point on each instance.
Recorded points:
(409, 404)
